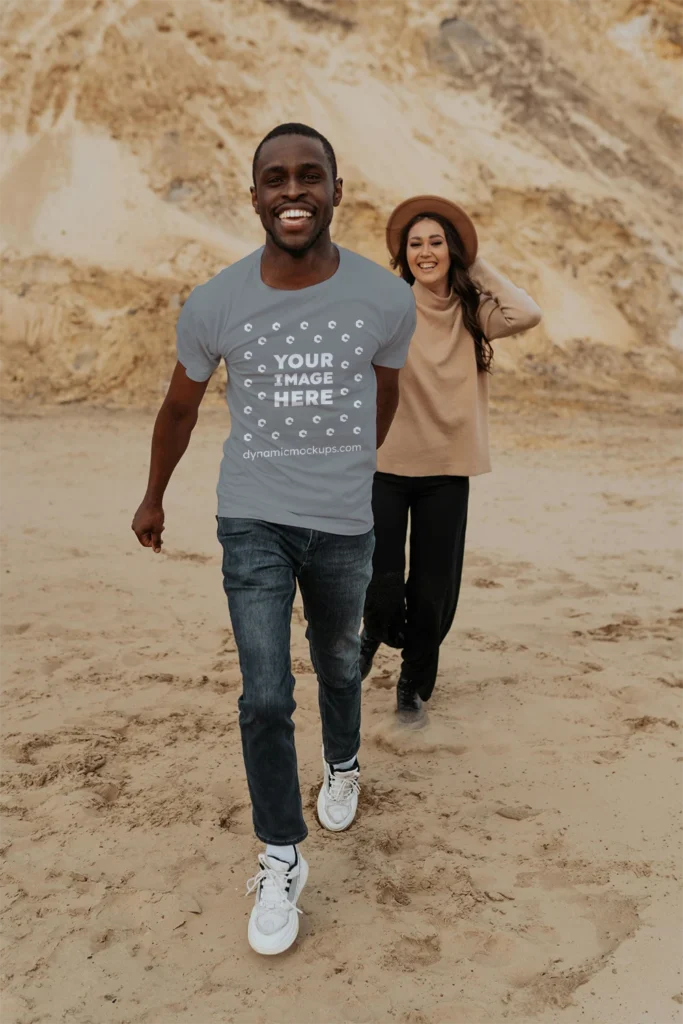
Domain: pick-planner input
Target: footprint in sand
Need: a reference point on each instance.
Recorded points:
(414, 949)
(18, 630)
(383, 680)
(517, 813)
(671, 680)
(188, 556)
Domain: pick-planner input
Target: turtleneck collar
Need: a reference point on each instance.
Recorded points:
(426, 299)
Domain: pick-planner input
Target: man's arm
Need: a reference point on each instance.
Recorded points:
(174, 425)
(387, 400)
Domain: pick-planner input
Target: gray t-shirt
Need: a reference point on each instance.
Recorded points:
(301, 387)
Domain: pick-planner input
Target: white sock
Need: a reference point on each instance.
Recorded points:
(345, 766)
(285, 853)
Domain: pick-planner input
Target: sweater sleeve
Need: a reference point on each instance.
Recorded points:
(504, 309)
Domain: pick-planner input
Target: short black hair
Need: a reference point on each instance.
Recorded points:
(294, 128)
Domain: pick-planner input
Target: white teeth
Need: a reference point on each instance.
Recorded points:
(294, 214)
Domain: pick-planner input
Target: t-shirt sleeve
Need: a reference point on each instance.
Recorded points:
(195, 347)
(400, 329)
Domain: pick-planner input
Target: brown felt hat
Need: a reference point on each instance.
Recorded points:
(453, 213)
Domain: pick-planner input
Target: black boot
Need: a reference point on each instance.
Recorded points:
(408, 705)
(368, 650)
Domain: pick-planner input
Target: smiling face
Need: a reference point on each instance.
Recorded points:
(294, 192)
(428, 257)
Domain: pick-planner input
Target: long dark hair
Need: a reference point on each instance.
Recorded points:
(459, 280)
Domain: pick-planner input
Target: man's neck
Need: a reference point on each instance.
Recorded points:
(280, 269)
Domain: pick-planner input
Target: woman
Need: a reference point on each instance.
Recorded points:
(439, 438)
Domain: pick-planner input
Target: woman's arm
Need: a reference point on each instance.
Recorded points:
(504, 308)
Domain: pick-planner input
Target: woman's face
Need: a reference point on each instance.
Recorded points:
(428, 256)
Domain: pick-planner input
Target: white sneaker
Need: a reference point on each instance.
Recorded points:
(274, 921)
(338, 798)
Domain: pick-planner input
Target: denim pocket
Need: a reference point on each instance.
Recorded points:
(228, 527)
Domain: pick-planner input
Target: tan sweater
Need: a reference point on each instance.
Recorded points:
(441, 426)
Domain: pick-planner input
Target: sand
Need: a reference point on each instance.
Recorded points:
(516, 860)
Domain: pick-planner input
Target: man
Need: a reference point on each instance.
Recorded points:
(313, 337)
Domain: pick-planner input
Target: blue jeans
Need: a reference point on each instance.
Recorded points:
(262, 563)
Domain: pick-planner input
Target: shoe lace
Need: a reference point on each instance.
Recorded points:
(343, 785)
(272, 885)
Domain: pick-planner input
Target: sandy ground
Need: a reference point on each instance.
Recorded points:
(516, 860)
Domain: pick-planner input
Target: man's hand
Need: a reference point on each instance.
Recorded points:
(148, 525)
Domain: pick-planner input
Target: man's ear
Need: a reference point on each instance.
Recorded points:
(338, 191)
(254, 197)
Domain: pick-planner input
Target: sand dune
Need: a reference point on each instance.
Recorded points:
(129, 129)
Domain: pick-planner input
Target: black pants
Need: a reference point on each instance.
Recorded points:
(416, 615)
